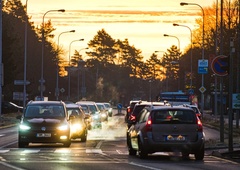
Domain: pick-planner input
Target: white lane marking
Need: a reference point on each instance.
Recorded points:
(62, 150)
(30, 151)
(10, 166)
(99, 151)
(4, 151)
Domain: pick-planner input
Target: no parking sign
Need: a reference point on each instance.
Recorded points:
(216, 65)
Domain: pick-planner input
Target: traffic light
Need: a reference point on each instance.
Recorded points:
(225, 64)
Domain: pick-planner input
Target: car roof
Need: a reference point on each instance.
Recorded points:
(72, 105)
(170, 108)
(85, 102)
(45, 102)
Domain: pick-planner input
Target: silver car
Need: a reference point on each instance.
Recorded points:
(166, 129)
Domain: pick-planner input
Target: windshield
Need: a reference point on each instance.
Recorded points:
(46, 111)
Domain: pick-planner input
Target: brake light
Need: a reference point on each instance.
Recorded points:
(200, 126)
(149, 124)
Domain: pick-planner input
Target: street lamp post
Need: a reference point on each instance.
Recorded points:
(57, 87)
(191, 50)
(182, 4)
(43, 44)
(25, 59)
(80, 65)
(69, 63)
(166, 35)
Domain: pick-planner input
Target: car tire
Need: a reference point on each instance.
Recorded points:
(199, 155)
(22, 144)
(84, 136)
(143, 154)
(131, 151)
(67, 144)
(185, 155)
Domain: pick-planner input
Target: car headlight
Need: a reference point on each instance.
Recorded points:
(63, 127)
(24, 127)
(76, 127)
(96, 116)
(104, 115)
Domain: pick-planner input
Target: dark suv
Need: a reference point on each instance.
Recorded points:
(44, 122)
(166, 129)
(137, 109)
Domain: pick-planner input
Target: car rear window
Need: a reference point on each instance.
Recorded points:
(173, 117)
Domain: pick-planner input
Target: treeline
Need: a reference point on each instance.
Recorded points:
(111, 69)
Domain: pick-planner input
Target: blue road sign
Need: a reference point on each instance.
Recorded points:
(202, 66)
(202, 70)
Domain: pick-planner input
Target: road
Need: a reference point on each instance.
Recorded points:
(104, 149)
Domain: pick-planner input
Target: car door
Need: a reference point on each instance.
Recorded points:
(137, 129)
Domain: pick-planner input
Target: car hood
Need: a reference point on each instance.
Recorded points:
(44, 120)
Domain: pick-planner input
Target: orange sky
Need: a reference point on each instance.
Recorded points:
(143, 29)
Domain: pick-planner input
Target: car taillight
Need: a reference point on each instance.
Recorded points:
(128, 110)
(149, 124)
(200, 126)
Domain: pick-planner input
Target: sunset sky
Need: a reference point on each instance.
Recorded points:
(142, 22)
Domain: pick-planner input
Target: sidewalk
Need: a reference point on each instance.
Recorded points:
(221, 149)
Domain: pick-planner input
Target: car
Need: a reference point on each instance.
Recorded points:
(94, 112)
(10, 107)
(166, 129)
(78, 123)
(44, 122)
(130, 108)
(137, 109)
(196, 110)
(88, 116)
(108, 106)
(103, 111)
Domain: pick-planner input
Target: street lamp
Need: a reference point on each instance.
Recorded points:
(69, 63)
(182, 4)
(57, 87)
(191, 49)
(166, 35)
(43, 43)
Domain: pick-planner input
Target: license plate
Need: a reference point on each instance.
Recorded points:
(43, 135)
(175, 138)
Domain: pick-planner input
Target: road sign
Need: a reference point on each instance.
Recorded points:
(202, 89)
(20, 82)
(202, 66)
(236, 101)
(191, 91)
(216, 65)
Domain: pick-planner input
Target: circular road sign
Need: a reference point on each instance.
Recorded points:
(216, 66)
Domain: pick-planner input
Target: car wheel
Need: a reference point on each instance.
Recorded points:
(185, 155)
(84, 136)
(199, 155)
(67, 144)
(141, 150)
(131, 151)
(22, 144)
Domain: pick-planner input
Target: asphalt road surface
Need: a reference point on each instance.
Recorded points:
(105, 149)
